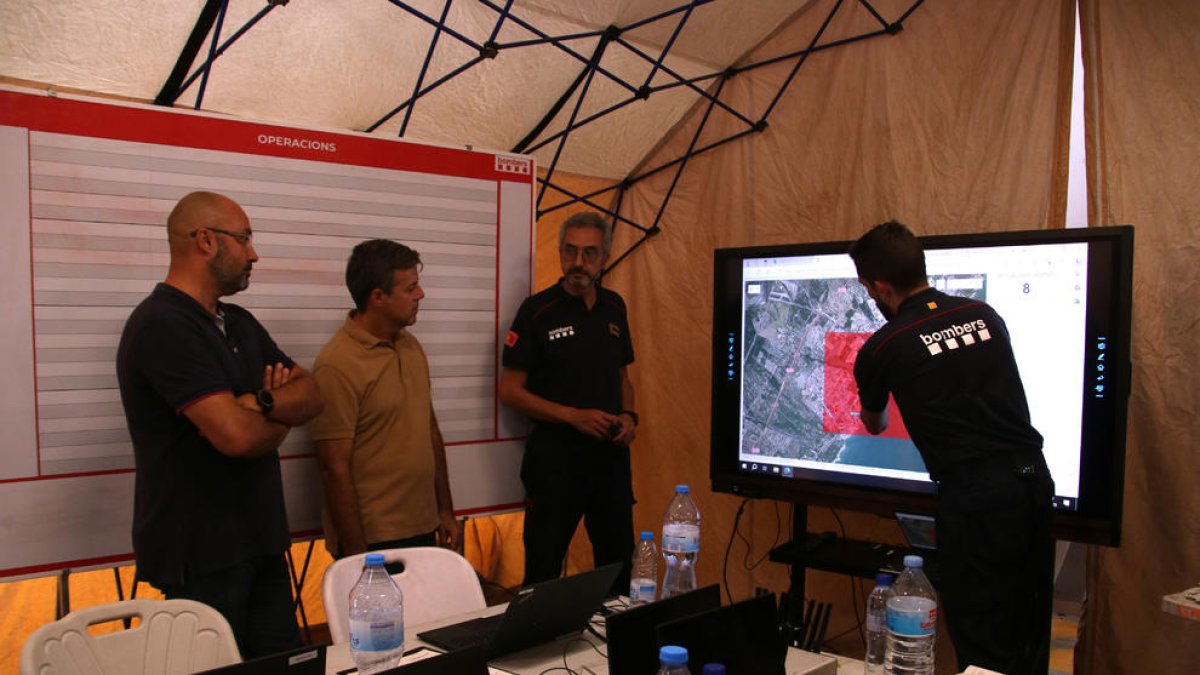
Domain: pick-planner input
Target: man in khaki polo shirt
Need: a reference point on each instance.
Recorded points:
(382, 461)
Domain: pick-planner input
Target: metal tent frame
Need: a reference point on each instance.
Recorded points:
(707, 87)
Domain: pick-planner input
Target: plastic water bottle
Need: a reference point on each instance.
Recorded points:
(643, 586)
(673, 661)
(680, 544)
(713, 669)
(911, 622)
(376, 619)
(877, 624)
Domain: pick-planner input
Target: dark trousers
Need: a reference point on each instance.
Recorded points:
(397, 567)
(429, 539)
(255, 597)
(996, 565)
(550, 522)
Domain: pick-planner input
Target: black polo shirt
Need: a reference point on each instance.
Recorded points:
(949, 363)
(571, 355)
(195, 509)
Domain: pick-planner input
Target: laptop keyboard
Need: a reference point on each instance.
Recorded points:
(470, 633)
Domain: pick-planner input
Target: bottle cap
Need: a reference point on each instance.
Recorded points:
(914, 561)
(647, 536)
(883, 579)
(713, 669)
(673, 655)
(681, 488)
(374, 560)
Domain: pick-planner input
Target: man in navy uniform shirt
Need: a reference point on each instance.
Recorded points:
(208, 398)
(565, 366)
(949, 364)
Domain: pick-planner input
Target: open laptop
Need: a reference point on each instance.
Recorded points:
(632, 641)
(920, 532)
(539, 613)
(302, 661)
(744, 636)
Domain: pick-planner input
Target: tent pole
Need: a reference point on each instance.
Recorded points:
(171, 89)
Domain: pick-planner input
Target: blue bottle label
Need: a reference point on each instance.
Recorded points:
(681, 538)
(642, 590)
(912, 615)
(376, 636)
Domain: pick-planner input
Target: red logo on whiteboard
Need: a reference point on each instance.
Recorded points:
(518, 165)
(510, 340)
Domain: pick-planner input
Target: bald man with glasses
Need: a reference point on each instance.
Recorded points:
(566, 364)
(208, 398)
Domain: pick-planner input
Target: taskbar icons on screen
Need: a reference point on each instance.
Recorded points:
(766, 468)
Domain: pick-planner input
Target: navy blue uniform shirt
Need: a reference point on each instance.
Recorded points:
(195, 510)
(949, 363)
(571, 355)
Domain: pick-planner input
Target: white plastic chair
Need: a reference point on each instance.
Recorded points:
(436, 583)
(174, 637)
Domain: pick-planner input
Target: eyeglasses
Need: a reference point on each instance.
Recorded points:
(242, 237)
(591, 254)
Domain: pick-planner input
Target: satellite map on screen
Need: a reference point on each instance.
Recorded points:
(799, 399)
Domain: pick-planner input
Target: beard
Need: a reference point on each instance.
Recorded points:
(883, 309)
(579, 279)
(229, 279)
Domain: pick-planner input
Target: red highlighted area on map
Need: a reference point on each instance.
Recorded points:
(841, 393)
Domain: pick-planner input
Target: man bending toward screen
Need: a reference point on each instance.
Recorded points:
(949, 364)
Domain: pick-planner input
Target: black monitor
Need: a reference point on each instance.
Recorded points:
(744, 637)
(632, 647)
(787, 324)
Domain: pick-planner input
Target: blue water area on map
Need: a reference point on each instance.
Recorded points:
(884, 453)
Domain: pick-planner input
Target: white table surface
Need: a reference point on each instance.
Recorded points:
(583, 653)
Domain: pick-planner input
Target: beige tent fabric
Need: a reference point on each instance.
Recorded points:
(1143, 105)
(958, 123)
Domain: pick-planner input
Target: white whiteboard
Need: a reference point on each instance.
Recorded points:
(85, 189)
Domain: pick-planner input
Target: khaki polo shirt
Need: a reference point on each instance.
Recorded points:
(378, 394)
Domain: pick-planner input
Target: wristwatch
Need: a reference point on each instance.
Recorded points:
(266, 401)
(632, 415)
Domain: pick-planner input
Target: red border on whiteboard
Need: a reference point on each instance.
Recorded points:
(170, 126)
(38, 112)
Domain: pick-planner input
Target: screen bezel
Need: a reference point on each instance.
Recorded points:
(1097, 518)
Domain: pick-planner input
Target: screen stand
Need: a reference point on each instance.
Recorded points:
(798, 570)
(803, 623)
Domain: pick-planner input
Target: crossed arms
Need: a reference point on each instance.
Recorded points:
(237, 427)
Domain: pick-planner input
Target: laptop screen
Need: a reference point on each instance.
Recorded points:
(631, 636)
(302, 661)
(919, 530)
(744, 636)
(539, 613)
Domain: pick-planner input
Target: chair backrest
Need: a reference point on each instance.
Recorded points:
(173, 637)
(436, 583)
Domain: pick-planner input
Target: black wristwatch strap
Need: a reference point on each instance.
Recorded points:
(266, 401)
(632, 414)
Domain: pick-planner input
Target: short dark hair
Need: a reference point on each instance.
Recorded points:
(372, 265)
(890, 252)
(587, 219)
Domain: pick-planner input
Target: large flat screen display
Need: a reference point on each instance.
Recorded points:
(788, 323)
